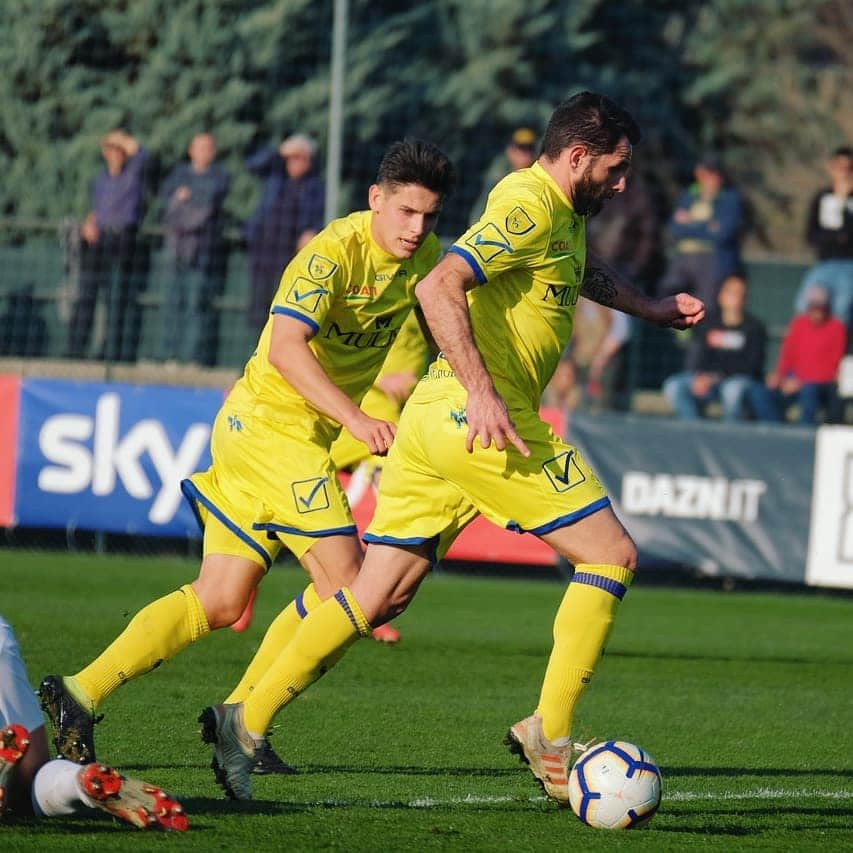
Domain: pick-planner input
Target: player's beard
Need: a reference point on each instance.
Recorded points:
(588, 196)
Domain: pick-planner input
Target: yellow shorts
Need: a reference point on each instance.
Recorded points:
(348, 451)
(271, 482)
(432, 487)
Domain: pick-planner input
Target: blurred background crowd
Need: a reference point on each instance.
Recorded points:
(159, 177)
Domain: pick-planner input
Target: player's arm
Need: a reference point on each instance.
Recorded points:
(295, 361)
(607, 286)
(445, 307)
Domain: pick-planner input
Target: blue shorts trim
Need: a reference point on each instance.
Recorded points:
(607, 584)
(315, 534)
(193, 495)
(411, 540)
(563, 520)
(467, 256)
(280, 309)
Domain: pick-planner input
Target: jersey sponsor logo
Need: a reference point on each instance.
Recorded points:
(691, 496)
(311, 495)
(383, 322)
(519, 222)
(320, 267)
(361, 339)
(355, 292)
(489, 242)
(563, 248)
(305, 294)
(563, 471)
(563, 294)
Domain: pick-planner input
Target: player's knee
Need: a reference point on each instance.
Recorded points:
(221, 607)
(629, 557)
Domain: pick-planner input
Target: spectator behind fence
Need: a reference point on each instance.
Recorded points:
(520, 152)
(113, 262)
(725, 362)
(705, 227)
(830, 233)
(23, 328)
(192, 198)
(811, 353)
(289, 214)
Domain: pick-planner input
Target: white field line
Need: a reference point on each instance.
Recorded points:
(672, 796)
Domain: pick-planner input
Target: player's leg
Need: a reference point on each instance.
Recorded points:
(155, 634)
(386, 583)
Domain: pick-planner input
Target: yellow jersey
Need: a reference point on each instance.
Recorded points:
(354, 297)
(528, 252)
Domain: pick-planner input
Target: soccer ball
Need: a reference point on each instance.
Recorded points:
(615, 785)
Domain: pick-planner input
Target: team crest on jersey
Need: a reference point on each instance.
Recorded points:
(320, 267)
(489, 242)
(563, 471)
(305, 295)
(311, 495)
(518, 221)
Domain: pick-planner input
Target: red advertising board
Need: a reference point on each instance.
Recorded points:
(10, 394)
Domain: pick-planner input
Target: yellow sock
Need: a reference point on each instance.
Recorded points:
(317, 645)
(581, 626)
(157, 633)
(278, 635)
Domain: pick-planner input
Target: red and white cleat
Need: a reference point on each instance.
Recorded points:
(386, 633)
(143, 805)
(14, 742)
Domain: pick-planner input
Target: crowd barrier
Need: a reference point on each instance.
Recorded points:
(746, 500)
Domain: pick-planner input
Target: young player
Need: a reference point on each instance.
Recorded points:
(500, 305)
(32, 784)
(339, 307)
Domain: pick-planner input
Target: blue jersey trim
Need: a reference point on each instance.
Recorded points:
(475, 267)
(193, 496)
(317, 534)
(280, 309)
(563, 520)
(615, 588)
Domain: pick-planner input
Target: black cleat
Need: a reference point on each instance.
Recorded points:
(266, 761)
(73, 725)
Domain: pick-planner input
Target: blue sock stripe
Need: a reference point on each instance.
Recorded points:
(300, 606)
(607, 584)
(342, 600)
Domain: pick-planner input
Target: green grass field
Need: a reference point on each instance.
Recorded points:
(744, 699)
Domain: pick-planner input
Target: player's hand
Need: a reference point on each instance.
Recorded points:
(378, 435)
(489, 419)
(397, 386)
(680, 311)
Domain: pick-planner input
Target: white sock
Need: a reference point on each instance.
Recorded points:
(56, 790)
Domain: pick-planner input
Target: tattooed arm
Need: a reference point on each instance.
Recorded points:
(607, 286)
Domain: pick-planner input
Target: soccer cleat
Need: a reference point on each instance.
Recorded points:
(266, 761)
(233, 749)
(386, 633)
(14, 742)
(550, 764)
(72, 724)
(138, 803)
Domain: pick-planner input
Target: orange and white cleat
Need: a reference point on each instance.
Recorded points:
(549, 763)
(386, 633)
(14, 742)
(138, 803)
(245, 619)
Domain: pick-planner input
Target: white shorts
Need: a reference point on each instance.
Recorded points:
(17, 698)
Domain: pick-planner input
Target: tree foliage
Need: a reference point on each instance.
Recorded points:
(766, 82)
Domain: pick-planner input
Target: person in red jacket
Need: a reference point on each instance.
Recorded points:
(812, 350)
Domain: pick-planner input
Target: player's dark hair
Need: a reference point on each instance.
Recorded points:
(414, 161)
(843, 151)
(589, 119)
